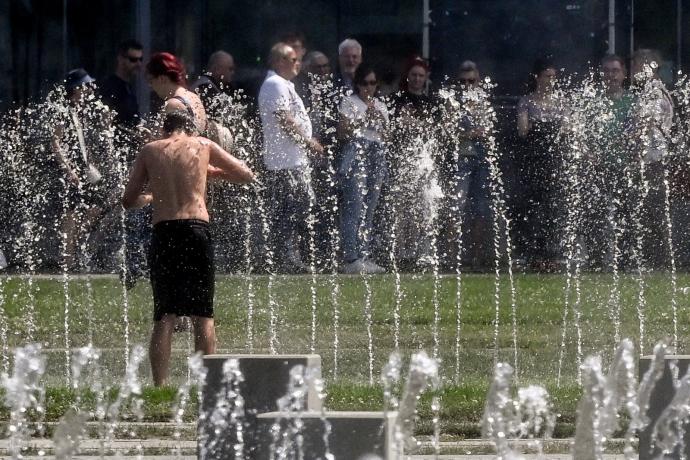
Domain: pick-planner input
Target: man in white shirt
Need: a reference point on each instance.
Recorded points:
(287, 142)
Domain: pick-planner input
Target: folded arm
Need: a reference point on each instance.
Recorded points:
(289, 125)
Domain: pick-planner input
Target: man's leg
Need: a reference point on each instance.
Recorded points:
(159, 349)
(280, 225)
(350, 216)
(375, 175)
(204, 335)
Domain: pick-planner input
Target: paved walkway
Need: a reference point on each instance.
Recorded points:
(165, 449)
(412, 457)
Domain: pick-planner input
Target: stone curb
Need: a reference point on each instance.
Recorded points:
(474, 448)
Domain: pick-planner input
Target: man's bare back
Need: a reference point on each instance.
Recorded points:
(171, 174)
(176, 170)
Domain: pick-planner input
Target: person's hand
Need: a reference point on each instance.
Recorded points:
(315, 146)
(59, 129)
(73, 178)
(478, 133)
(213, 172)
(145, 134)
(372, 111)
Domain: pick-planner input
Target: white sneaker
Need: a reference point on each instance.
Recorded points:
(354, 267)
(373, 268)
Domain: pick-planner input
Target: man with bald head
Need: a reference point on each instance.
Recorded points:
(218, 79)
(288, 144)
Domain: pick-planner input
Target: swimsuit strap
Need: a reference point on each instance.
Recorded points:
(190, 110)
(186, 103)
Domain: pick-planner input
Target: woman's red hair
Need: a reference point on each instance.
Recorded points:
(414, 61)
(167, 64)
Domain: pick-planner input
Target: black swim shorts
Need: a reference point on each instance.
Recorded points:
(182, 272)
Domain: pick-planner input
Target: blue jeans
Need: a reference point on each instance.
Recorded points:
(361, 172)
(472, 187)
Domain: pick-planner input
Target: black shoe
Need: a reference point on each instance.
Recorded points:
(130, 279)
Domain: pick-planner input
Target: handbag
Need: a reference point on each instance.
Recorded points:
(93, 175)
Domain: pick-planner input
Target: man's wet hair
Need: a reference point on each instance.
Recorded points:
(179, 120)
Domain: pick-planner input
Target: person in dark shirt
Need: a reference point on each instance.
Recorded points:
(218, 78)
(117, 90)
(414, 192)
(118, 93)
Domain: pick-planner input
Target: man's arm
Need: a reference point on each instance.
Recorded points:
(134, 195)
(224, 166)
(56, 147)
(289, 125)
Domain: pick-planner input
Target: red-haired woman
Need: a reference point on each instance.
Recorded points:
(167, 77)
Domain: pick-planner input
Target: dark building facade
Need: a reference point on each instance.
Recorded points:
(42, 39)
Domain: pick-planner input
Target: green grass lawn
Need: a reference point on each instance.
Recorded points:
(539, 316)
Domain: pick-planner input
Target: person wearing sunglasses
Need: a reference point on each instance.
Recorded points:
(80, 141)
(117, 90)
(288, 146)
(468, 198)
(118, 93)
(363, 129)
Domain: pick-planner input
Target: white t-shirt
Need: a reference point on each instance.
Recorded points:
(354, 109)
(281, 151)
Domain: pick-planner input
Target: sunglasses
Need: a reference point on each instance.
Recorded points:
(369, 83)
(468, 81)
(133, 59)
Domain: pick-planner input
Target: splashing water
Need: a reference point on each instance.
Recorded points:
(128, 390)
(605, 396)
(668, 433)
(86, 376)
(227, 417)
(528, 416)
(3, 329)
(314, 380)
(23, 392)
(423, 373)
(500, 412)
(287, 438)
(198, 373)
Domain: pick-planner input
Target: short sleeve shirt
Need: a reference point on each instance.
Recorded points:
(544, 112)
(281, 150)
(354, 109)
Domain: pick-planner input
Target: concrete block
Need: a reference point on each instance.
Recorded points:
(662, 394)
(265, 380)
(354, 435)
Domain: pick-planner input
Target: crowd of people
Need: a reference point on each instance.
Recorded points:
(371, 176)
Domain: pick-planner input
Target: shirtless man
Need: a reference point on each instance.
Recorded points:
(171, 174)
